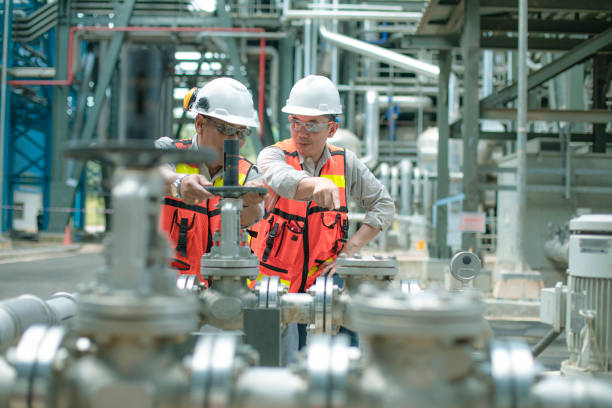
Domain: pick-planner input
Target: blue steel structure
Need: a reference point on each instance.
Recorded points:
(27, 150)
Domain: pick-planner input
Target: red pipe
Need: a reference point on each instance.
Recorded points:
(68, 81)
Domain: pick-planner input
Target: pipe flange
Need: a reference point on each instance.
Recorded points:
(262, 295)
(212, 369)
(375, 266)
(214, 265)
(327, 365)
(33, 361)
(269, 291)
(513, 372)
(188, 283)
(410, 286)
(324, 290)
(129, 314)
(426, 314)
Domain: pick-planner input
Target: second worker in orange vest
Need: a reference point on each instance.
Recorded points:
(306, 221)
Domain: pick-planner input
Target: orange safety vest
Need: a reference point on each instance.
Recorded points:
(296, 237)
(190, 228)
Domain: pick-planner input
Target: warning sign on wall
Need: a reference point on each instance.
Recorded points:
(472, 222)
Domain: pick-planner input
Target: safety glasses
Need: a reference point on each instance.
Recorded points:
(309, 127)
(229, 130)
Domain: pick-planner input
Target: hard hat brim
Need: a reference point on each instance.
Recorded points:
(300, 110)
(232, 120)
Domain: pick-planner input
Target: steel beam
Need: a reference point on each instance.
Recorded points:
(4, 119)
(60, 193)
(432, 42)
(501, 42)
(601, 67)
(590, 26)
(521, 139)
(566, 115)
(470, 48)
(226, 21)
(286, 80)
(507, 136)
(547, 72)
(124, 14)
(445, 59)
(548, 5)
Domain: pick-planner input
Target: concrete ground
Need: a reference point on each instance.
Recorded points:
(48, 268)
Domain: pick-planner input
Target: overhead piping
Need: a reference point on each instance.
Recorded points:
(380, 54)
(68, 81)
(407, 17)
(406, 101)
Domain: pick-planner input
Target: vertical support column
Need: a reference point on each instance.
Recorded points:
(286, 80)
(225, 20)
(521, 138)
(520, 284)
(600, 70)
(61, 193)
(350, 73)
(445, 58)
(470, 48)
(4, 119)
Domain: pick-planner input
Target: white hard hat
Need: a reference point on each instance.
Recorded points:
(225, 99)
(314, 95)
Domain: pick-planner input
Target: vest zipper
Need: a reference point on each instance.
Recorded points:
(306, 251)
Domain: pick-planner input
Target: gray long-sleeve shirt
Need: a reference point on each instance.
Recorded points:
(360, 182)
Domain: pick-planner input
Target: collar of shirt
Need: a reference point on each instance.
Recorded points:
(308, 164)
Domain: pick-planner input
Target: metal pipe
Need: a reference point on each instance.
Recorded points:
(3, 82)
(274, 75)
(405, 101)
(406, 190)
(31, 72)
(353, 15)
(334, 52)
(521, 138)
(416, 193)
(297, 308)
(351, 87)
(371, 129)
(307, 46)
(363, 7)
(395, 183)
(545, 342)
(569, 392)
(17, 314)
(380, 54)
(384, 174)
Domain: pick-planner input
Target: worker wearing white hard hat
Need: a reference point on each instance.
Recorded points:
(306, 223)
(223, 109)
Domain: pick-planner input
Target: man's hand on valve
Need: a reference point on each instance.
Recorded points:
(250, 199)
(192, 189)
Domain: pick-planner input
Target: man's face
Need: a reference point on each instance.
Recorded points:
(310, 134)
(212, 132)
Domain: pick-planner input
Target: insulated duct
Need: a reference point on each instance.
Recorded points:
(380, 54)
